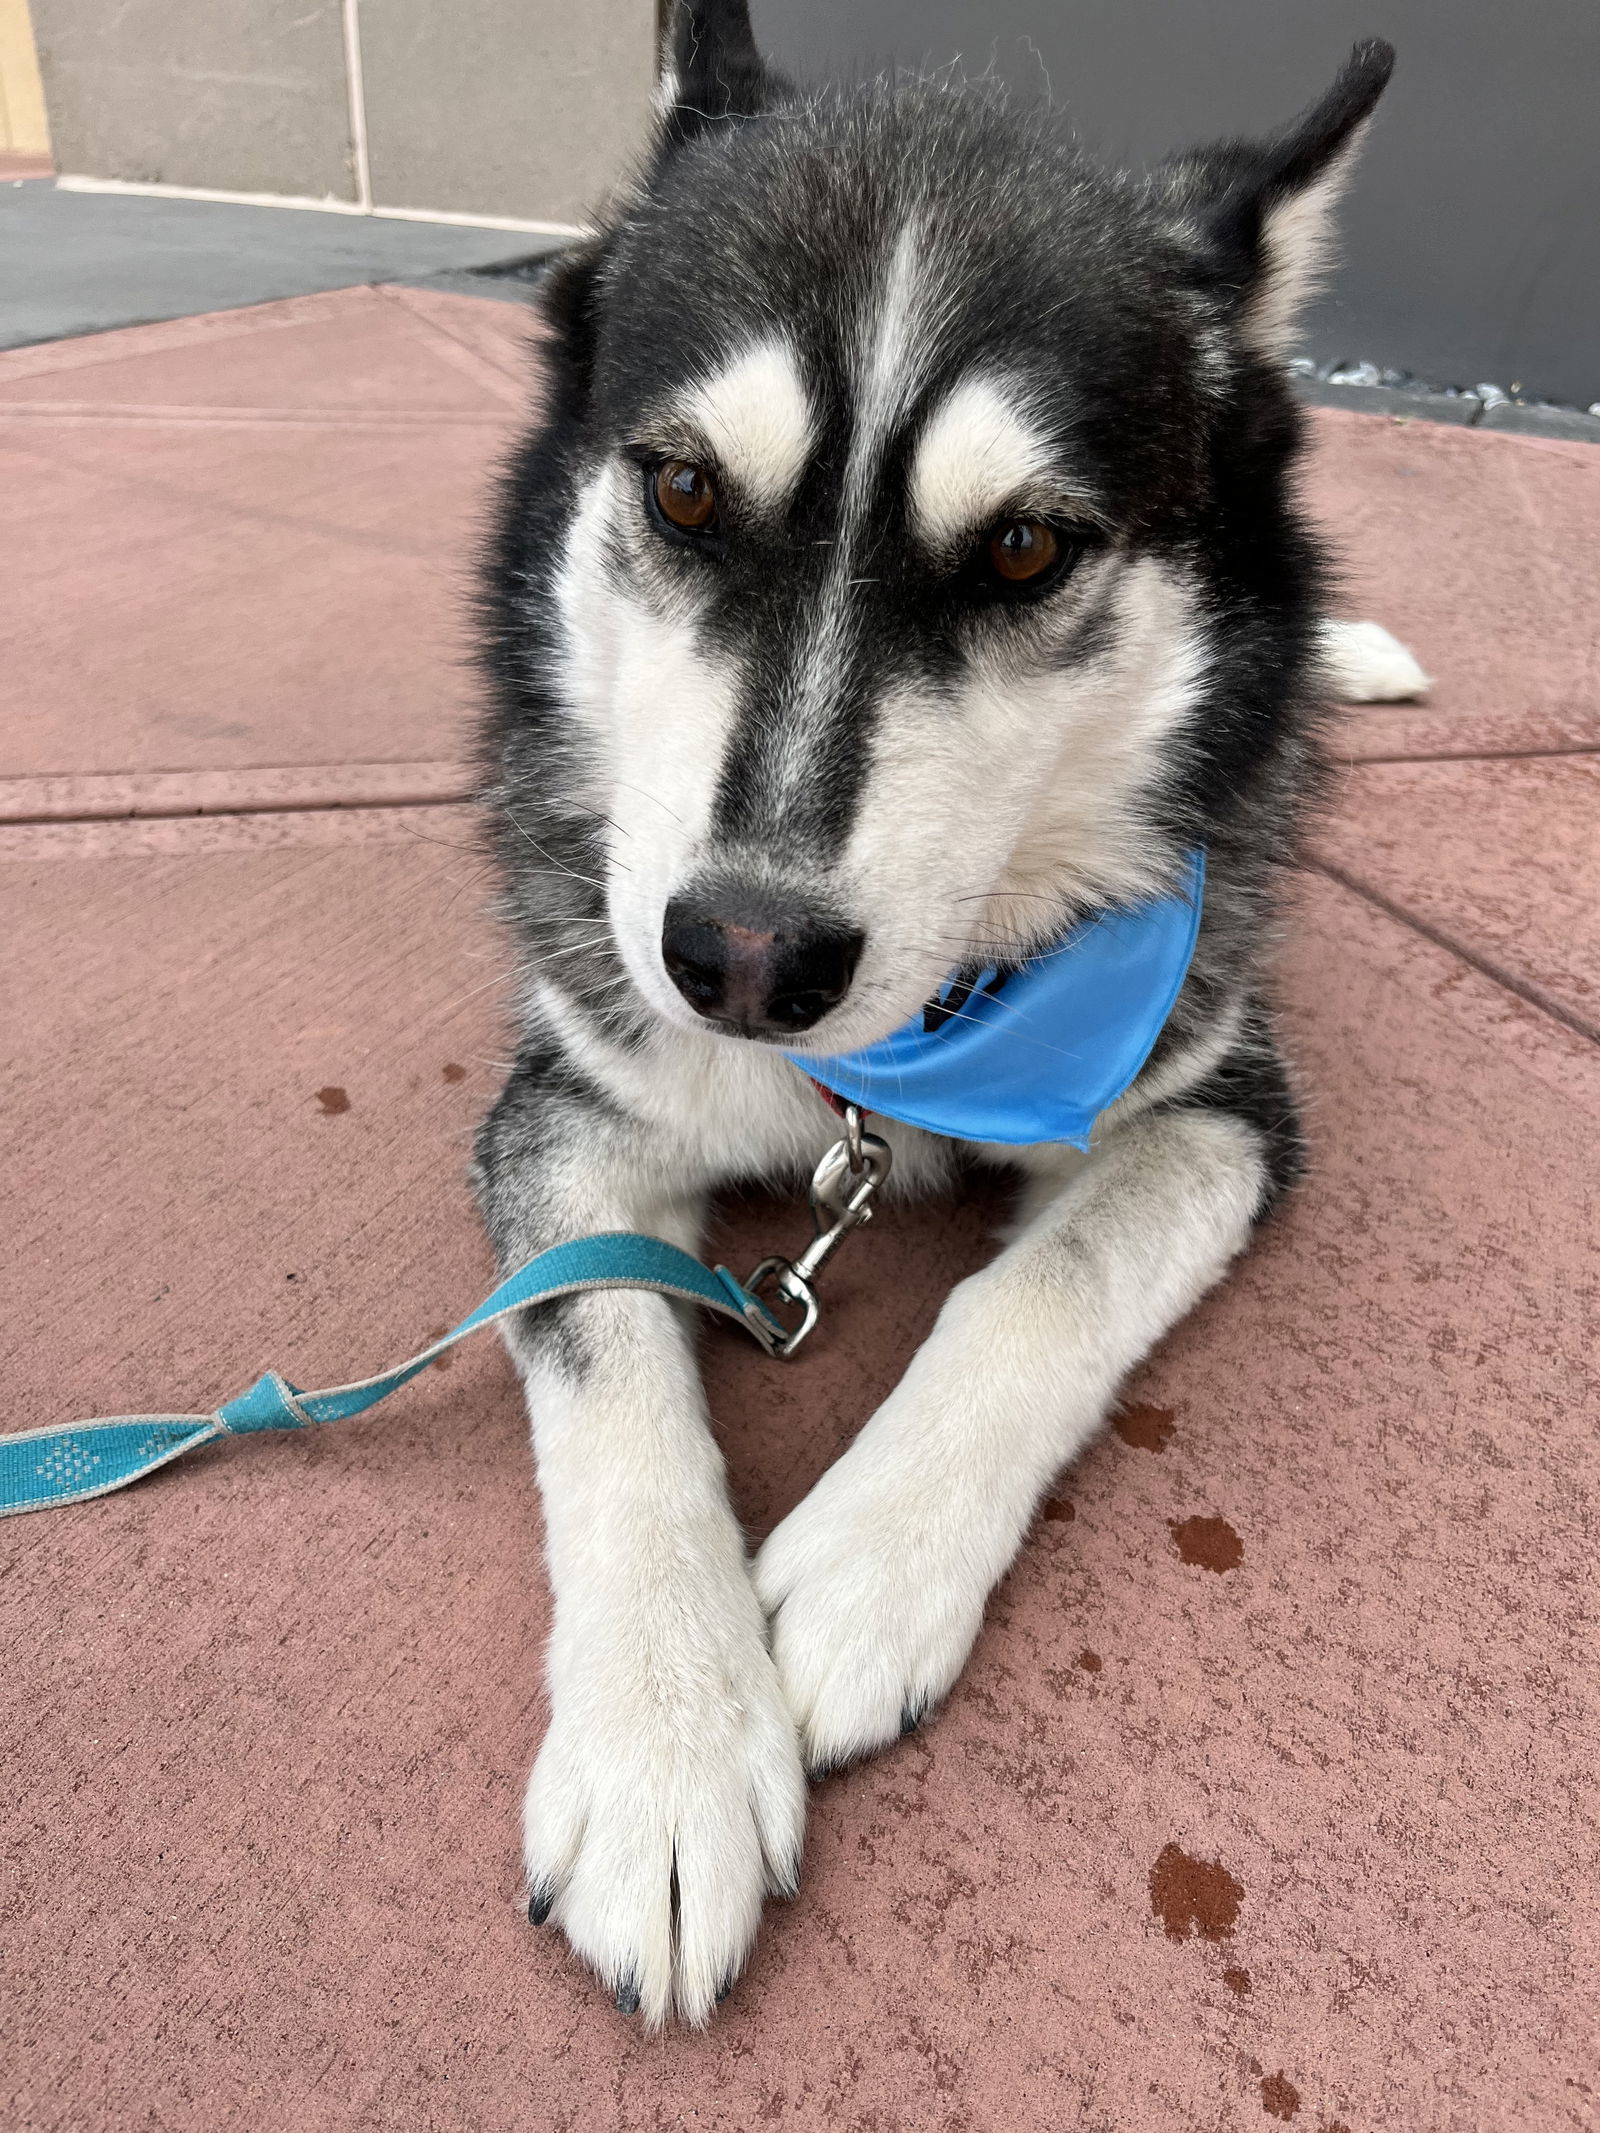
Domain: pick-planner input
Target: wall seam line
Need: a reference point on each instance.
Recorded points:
(356, 103)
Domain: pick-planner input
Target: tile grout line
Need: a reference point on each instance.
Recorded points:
(507, 385)
(1472, 755)
(1494, 972)
(157, 336)
(166, 795)
(192, 813)
(70, 413)
(196, 836)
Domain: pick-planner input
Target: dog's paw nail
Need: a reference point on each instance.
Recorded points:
(724, 1989)
(627, 1997)
(539, 1904)
(911, 1716)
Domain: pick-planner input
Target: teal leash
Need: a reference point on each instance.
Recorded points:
(41, 1469)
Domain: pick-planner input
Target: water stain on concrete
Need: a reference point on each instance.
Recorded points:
(1147, 1429)
(1060, 1510)
(1279, 2096)
(1237, 1981)
(1210, 1543)
(440, 1362)
(332, 1102)
(1194, 1896)
(1091, 1662)
(455, 1073)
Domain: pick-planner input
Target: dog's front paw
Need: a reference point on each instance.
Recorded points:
(667, 1800)
(874, 1602)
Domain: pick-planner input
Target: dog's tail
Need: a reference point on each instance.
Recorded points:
(1366, 665)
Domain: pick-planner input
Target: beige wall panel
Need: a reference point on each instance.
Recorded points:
(504, 107)
(239, 95)
(23, 128)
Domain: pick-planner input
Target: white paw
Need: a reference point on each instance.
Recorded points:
(1366, 665)
(668, 1797)
(875, 1595)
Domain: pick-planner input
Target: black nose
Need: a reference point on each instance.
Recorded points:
(765, 973)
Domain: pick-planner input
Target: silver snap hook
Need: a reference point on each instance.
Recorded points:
(842, 1189)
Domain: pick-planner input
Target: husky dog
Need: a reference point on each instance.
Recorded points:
(904, 565)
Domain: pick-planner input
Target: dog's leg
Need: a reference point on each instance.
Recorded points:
(668, 1795)
(876, 1583)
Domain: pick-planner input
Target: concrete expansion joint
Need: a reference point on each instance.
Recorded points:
(1490, 967)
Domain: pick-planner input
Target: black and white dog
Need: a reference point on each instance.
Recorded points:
(904, 566)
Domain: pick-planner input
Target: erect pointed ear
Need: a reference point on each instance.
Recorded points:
(1265, 209)
(568, 300)
(712, 70)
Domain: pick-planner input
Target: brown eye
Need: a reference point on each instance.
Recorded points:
(684, 495)
(1023, 549)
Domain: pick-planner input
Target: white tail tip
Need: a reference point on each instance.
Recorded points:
(1366, 665)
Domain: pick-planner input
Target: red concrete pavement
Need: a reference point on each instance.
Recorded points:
(1310, 1839)
(245, 540)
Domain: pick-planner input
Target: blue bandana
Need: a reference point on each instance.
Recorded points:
(1041, 1056)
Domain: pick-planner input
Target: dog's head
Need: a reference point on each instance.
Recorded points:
(906, 547)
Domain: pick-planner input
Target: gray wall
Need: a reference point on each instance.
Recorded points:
(245, 95)
(504, 107)
(1472, 234)
(524, 108)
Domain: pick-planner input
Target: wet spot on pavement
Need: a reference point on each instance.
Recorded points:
(1237, 1981)
(1211, 1543)
(1194, 1896)
(332, 1102)
(1147, 1429)
(455, 1073)
(1279, 2096)
(1060, 1509)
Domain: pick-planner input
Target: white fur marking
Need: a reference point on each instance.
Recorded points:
(756, 417)
(978, 454)
(888, 377)
(657, 712)
(892, 333)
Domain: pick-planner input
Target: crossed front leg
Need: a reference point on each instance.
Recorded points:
(876, 1582)
(668, 1797)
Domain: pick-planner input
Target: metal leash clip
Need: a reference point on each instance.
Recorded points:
(842, 1188)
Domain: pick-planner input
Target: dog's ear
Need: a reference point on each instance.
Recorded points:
(568, 301)
(1265, 209)
(712, 73)
(712, 70)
